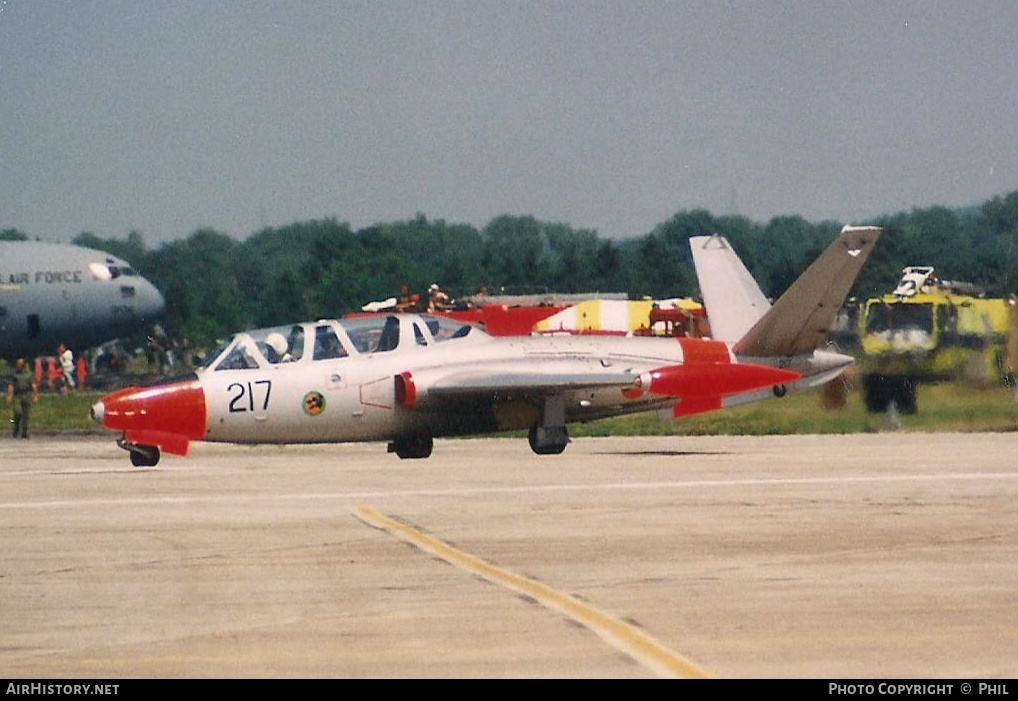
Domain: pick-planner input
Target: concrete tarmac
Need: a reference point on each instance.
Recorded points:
(889, 555)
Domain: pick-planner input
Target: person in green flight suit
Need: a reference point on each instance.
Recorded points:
(21, 392)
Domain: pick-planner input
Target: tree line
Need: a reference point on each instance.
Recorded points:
(215, 284)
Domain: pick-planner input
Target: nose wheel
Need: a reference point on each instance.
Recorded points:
(141, 455)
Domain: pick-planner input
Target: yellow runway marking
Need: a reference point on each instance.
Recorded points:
(620, 635)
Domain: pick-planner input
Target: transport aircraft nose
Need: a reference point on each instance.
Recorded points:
(151, 303)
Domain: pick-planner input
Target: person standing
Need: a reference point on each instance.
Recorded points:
(67, 363)
(438, 301)
(21, 392)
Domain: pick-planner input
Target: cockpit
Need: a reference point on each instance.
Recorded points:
(335, 340)
(111, 269)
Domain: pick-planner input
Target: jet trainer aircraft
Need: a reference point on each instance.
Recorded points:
(53, 293)
(407, 378)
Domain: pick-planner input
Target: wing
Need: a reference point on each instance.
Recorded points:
(685, 382)
(483, 384)
(501, 399)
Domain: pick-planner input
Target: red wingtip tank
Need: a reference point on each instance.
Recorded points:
(703, 386)
(708, 375)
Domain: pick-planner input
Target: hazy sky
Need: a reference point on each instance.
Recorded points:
(168, 115)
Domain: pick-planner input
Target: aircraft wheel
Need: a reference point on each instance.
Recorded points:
(548, 440)
(145, 456)
(414, 447)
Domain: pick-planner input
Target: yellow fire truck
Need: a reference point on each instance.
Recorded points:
(931, 330)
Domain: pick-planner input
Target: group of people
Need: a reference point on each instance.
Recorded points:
(437, 300)
(23, 388)
(164, 352)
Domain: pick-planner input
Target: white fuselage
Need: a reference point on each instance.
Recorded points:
(268, 404)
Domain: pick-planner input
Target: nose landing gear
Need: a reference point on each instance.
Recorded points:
(141, 455)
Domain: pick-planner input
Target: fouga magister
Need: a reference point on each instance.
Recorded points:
(407, 379)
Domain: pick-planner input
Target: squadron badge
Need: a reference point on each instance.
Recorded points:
(314, 403)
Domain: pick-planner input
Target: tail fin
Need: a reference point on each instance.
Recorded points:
(800, 320)
(733, 299)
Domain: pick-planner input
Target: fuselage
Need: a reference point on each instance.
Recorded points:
(358, 395)
(52, 294)
(383, 378)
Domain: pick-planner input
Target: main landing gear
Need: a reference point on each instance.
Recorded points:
(141, 455)
(548, 440)
(413, 447)
(549, 436)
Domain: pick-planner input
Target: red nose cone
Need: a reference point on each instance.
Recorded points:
(168, 416)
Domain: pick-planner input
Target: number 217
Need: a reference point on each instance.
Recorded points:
(242, 391)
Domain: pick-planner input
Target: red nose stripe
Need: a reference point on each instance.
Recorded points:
(716, 379)
(167, 415)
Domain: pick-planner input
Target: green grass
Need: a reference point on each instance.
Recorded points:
(945, 407)
(60, 413)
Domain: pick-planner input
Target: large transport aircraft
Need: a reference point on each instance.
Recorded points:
(53, 293)
(407, 378)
